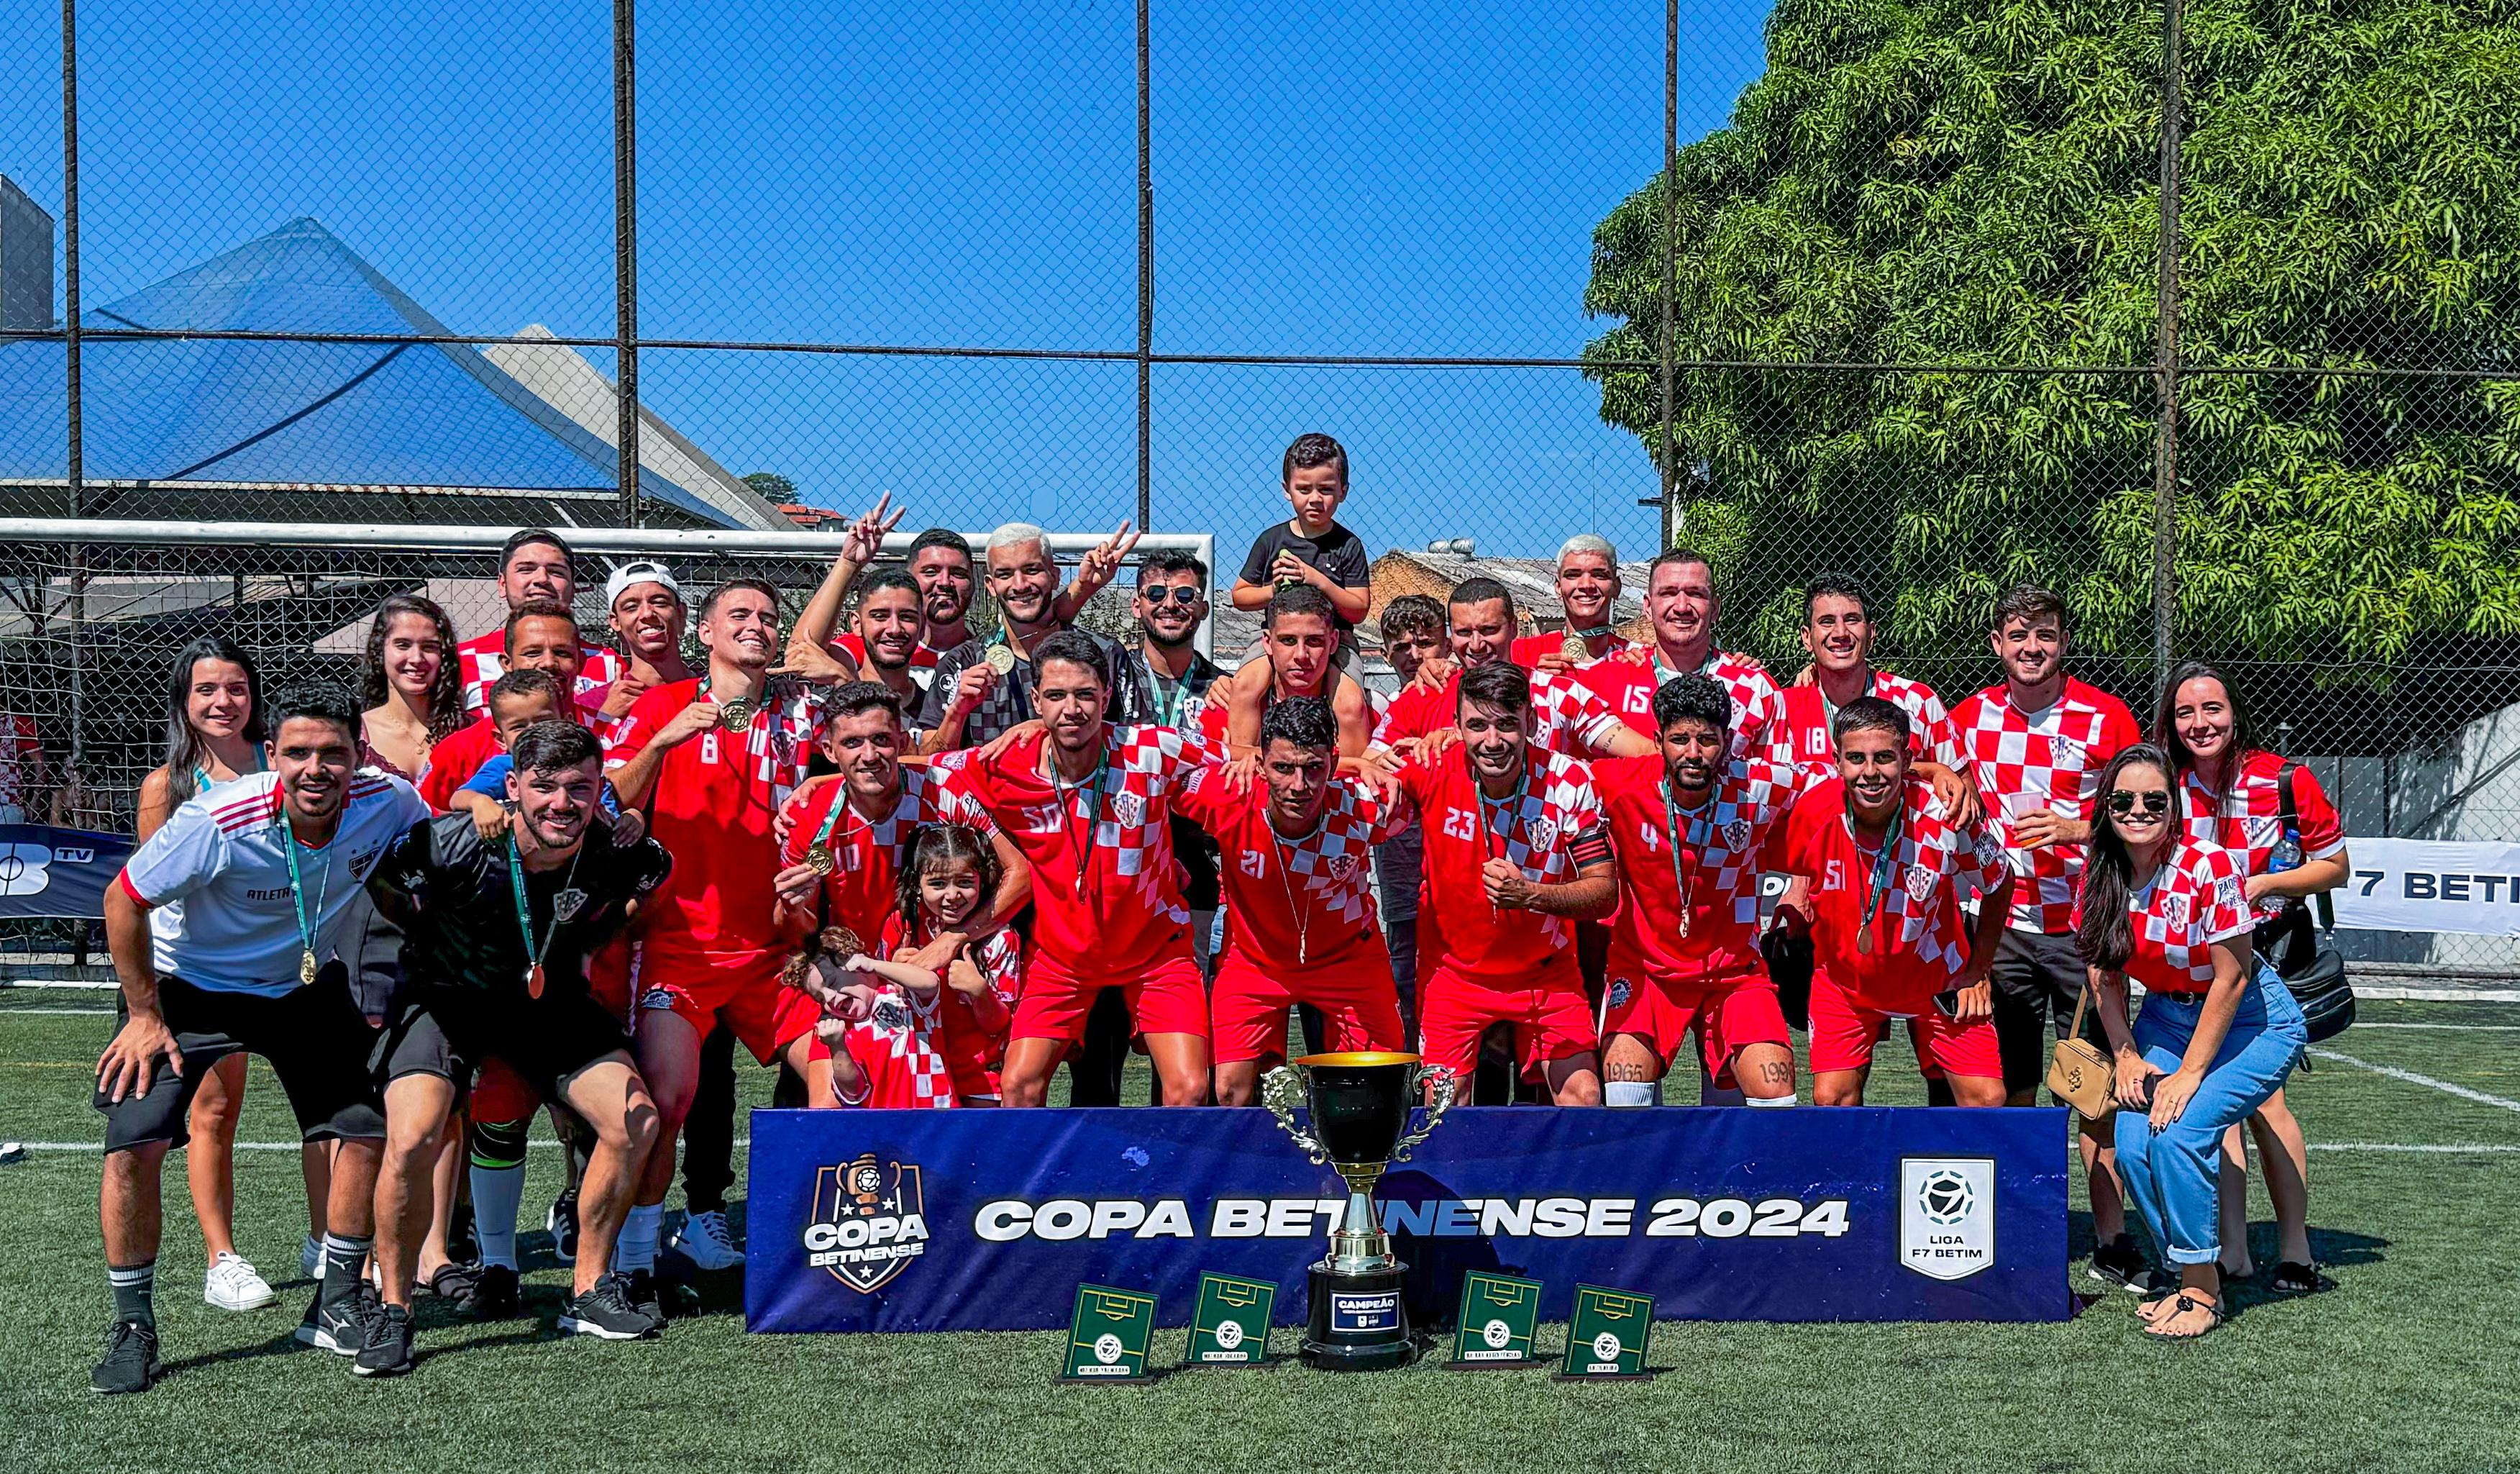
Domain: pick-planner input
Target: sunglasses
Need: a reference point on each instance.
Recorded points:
(1180, 593)
(2155, 803)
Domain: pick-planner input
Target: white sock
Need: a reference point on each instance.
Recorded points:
(1770, 1103)
(636, 1246)
(1626, 1093)
(497, 1193)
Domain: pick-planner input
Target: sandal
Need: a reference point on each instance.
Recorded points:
(453, 1282)
(2187, 1303)
(2293, 1277)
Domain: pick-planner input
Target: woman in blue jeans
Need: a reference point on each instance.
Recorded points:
(2218, 1034)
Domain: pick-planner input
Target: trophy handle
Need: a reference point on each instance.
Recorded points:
(1446, 1084)
(1281, 1091)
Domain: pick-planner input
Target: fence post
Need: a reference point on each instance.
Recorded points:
(73, 406)
(1145, 274)
(625, 251)
(1670, 260)
(2165, 371)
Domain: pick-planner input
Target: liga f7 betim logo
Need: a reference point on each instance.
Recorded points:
(869, 1221)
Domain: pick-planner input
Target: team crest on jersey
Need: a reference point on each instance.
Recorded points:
(1920, 882)
(2069, 753)
(1343, 868)
(1736, 835)
(1619, 993)
(1544, 833)
(1127, 809)
(2174, 910)
(568, 903)
(868, 1221)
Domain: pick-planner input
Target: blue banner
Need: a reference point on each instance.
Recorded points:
(57, 872)
(987, 1219)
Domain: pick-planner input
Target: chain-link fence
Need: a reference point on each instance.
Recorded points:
(2196, 312)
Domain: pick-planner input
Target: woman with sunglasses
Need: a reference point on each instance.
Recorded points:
(2233, 795)
(2218, 1034)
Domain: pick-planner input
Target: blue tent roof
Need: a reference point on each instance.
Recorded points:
(292, 414)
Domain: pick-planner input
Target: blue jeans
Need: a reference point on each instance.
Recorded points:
(2173, 1175)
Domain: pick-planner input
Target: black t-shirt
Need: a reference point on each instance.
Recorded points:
(1192, 845)
(1338, 552)
(456, 900)
(1010, 699)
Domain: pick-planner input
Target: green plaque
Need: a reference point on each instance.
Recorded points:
(1499, 1320)
(1230, 1327)
(1108, 1337)
(1606, 1334)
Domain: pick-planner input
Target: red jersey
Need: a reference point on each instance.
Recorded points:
(2192, 901)
(1713, 852)
(971, 1046)
(2248, 820)
(1565, 716)
(2027, 760)
(1291, 903)
(922, 660)
(711, 809)
(1549, 829)
(1919, 938)
(896, 1051)
(1106, 895)
(1626, 686)
(483, 659)
(454, 758)
(866, 853)
(1805, 735)
(1527, 650)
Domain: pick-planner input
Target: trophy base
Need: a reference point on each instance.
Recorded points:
(1357, 1321)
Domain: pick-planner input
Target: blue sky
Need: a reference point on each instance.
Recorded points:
(1374, 176)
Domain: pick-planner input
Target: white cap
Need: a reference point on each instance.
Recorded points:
(643, 570)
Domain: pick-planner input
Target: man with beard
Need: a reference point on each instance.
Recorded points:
(1588, 589)
(712, 760)
(237, 928)
(1516, 850)
(540, 635)
(1300, 920)
(1170, 605)
(1682, 606)
(847, 836)
(1089, 803)
(498, 935)
(535, 568)
(1566, 717)
(980, 689)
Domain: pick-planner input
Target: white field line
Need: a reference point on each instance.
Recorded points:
(2412, 1079)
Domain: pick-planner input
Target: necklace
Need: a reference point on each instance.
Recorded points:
(298, 898)
(1093, 790)
(1286, 881)
(564, 904)
(1884, 862)
(1680, 875)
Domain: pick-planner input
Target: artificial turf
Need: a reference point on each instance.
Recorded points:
(2407, 1364)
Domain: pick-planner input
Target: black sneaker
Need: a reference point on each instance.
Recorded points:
(339, 1330)
(495, 1295)
(130, 1361)
(606, 1314)
(561, 1220)
(385, 1351)
(2120, 1262)
(639, 1287)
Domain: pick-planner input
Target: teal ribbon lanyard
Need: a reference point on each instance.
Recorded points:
(1171, 698)
(1492, 844)
(1679, 865)
(1883, 863)
(297, 897)
(534, 954)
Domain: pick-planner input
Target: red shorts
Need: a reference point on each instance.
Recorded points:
(1729, 1011)
(500, 1095)
(741, 988)
(1551, 1017)
(1843, 1032)
(1168, 995)
(613, 973)
(1358, 1003)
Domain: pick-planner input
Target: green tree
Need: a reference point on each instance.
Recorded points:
(772, 488)
(1973, 182)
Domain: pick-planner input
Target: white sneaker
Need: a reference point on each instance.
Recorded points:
(310, 1257)
(231, 1285)
(703, 1240)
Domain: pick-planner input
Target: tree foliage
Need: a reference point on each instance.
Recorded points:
(1975, 183)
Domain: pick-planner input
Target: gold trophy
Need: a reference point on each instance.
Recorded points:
(1359, 1104)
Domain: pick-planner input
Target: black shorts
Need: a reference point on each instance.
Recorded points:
(2036, 978)
(452, 1032)
(314, 1039)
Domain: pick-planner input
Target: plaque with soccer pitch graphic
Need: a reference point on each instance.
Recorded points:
(1606, 1335)
(1230, 1326)
(1109, 1336)
(1499, 1323)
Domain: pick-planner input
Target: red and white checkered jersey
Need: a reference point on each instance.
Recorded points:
(2027, 760)
(1548, 829)
(711, 809)
(1566, 717)
(866, 853)
(482, 660)
(1930, 737)
(1718, 849)
(969, 1045)
(2196, 898)
(1527, 650)
(1289, 904)
(2249, 819)
(897, 1051)
(1920, 937)
(1627, 685)
(1105, 893)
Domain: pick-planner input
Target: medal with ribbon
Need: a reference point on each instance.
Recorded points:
(1680, 875)
(1884, 864)
(298, 898)
(563, 905)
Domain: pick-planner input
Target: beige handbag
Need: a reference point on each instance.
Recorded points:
(2080, 1075)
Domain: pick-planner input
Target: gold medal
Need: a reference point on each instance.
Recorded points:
(1000, 659)
(735, 716)
(819, 859)
(1571, 645)
(306, 966)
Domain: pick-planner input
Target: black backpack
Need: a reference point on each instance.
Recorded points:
(2301, 947)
